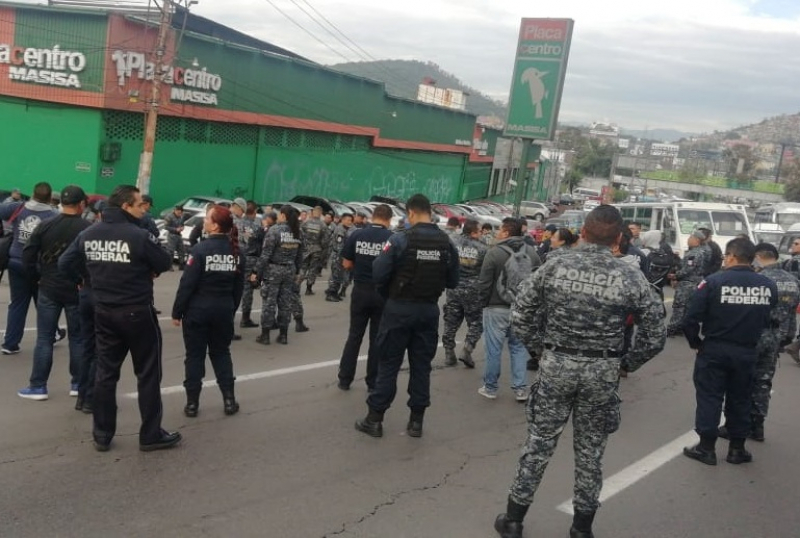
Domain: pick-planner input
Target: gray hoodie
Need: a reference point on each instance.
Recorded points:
(492, 268)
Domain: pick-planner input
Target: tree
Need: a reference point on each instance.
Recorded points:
(791, 178)
(740, 155)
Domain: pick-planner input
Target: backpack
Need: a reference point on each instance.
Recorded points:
(659, 263)
(517, 268)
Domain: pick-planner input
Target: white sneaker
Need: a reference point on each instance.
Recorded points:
(521, 395)
(486, 393)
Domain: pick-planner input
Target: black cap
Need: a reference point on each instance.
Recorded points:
(551, 228)
(72, 195)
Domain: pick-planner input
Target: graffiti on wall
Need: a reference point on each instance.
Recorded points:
(283, 181)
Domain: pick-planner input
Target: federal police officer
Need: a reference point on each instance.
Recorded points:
(464, 302)
(412, 272)
(316, 235)
(278, 270)
(338, 275)
(366, 304)
(250, 238)
(574, 308)
(122, 260)
(694, 266)
(734, 308)
(205, 304)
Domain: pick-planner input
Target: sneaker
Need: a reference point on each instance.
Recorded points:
(9, 350)
(73, 390)
(521, 395)
(33, 393)
(60, 335)
(486, 393)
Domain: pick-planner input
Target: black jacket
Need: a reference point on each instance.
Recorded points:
(121, 258)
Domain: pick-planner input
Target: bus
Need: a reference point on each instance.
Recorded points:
(677, 220)
(784, 215)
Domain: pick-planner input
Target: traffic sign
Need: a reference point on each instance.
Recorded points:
(538, 80)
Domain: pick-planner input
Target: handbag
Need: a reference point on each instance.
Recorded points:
(7, 239)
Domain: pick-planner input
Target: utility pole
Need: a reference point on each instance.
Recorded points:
(146, 159)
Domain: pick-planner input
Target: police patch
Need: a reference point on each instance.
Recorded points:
(701, 285)
(387, 246)
(190, 260)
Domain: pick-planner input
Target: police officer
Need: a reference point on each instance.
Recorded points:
(278, 270)
(147, 221)
(694, 266)
(338, 276)
(412, 272)
(463, 302)
(780, 333)
(249, 232)
(316, 235)
(122, 260)
(366, 304)
(715, 260)
(574, 308)
(205, 304)
(173, 223)
(734, 308)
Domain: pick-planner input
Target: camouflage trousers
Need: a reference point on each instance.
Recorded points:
(279, 296)
(586, 388)
(250, 263)
(339, 277)
(683, 294)
(462, 304)
(768, 349)
(312, 263)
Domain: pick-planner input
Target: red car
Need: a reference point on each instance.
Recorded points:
(446, 211)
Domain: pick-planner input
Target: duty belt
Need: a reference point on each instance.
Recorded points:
(593, 354)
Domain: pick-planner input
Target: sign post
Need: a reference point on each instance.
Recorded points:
(536, 86)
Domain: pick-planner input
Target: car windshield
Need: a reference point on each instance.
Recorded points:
(773, 238)
(721, 222)
(196, 204)
(194, 221)
(787, 219)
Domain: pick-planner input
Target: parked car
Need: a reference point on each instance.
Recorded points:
(480, 214)
(588, 205)
(397, 213)
(327, 204)
(565, 199)
(574, 219)
(276, 206)
(196, 204)
(445, 211)
(188, 226)
(534, 210)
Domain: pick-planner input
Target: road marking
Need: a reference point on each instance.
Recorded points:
(640, 469)
(174, 389)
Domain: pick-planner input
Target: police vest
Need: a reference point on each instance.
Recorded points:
(422, 272)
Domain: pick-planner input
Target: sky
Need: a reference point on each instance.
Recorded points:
(691, 65)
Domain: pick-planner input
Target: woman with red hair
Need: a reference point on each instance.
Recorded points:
(208, 296)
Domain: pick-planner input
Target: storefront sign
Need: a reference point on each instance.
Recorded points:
(51, 67)
(189, 85)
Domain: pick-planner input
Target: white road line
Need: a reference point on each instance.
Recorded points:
(640, 469)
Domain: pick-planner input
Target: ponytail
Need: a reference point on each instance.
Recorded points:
(223, 217)
(292, 219)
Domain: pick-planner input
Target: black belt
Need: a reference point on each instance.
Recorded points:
(593, 354)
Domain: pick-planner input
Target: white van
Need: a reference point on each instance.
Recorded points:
(582, 193)
(677, 220)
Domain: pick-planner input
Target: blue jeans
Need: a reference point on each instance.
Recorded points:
(23, 289)
(48, 312)
(496, 330)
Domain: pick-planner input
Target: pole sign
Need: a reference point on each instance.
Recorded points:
(539, 71)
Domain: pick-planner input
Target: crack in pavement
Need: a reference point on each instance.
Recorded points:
(394, 497)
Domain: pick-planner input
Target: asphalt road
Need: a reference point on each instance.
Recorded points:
(291, 464)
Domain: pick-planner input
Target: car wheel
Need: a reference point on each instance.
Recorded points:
(538, 217)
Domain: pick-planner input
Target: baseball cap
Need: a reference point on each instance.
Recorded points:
(72, 195)
(551, 228)
(241, 202)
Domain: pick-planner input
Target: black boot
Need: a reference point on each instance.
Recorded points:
(757, 429)
(309, 291)
(283, 335)
(582, 525)
(466, 356)
(79, 403)
(192, 403)
(737, 453)
(372, 424)
(450, 357)
(299, 326)
(229, 402)
(414, 427)
(343, 293)
(263, 338)
(246, 322)
(704, 451)
(331, 297)
(509, 525)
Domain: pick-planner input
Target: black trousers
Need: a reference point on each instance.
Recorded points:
(119, 330)
(412, 327)
(724, 372)
(366, 307)
(88, 366)
(208, 327)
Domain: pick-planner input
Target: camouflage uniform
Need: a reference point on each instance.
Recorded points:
(580, 299)
(792, 266)
(278, 267)
(249, 244)
(338, 276)
(463, 302)
(694, 266)
(784, 321)
(316, 236)
(173, 223)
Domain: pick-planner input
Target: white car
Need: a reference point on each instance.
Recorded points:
(534, 210)
(588, 205)
(481, 215)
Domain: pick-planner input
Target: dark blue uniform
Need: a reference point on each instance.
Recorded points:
(122, 260)
(209, 293)
(734, 308)
(412, 272)
(366, 304)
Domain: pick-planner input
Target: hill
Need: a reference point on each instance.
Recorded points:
(402, 77)
(778, 129)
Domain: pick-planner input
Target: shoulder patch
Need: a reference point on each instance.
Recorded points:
(387, 246)
(701, 285)
(190, 260)
(153, 239)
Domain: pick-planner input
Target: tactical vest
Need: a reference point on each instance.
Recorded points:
(422, 272)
